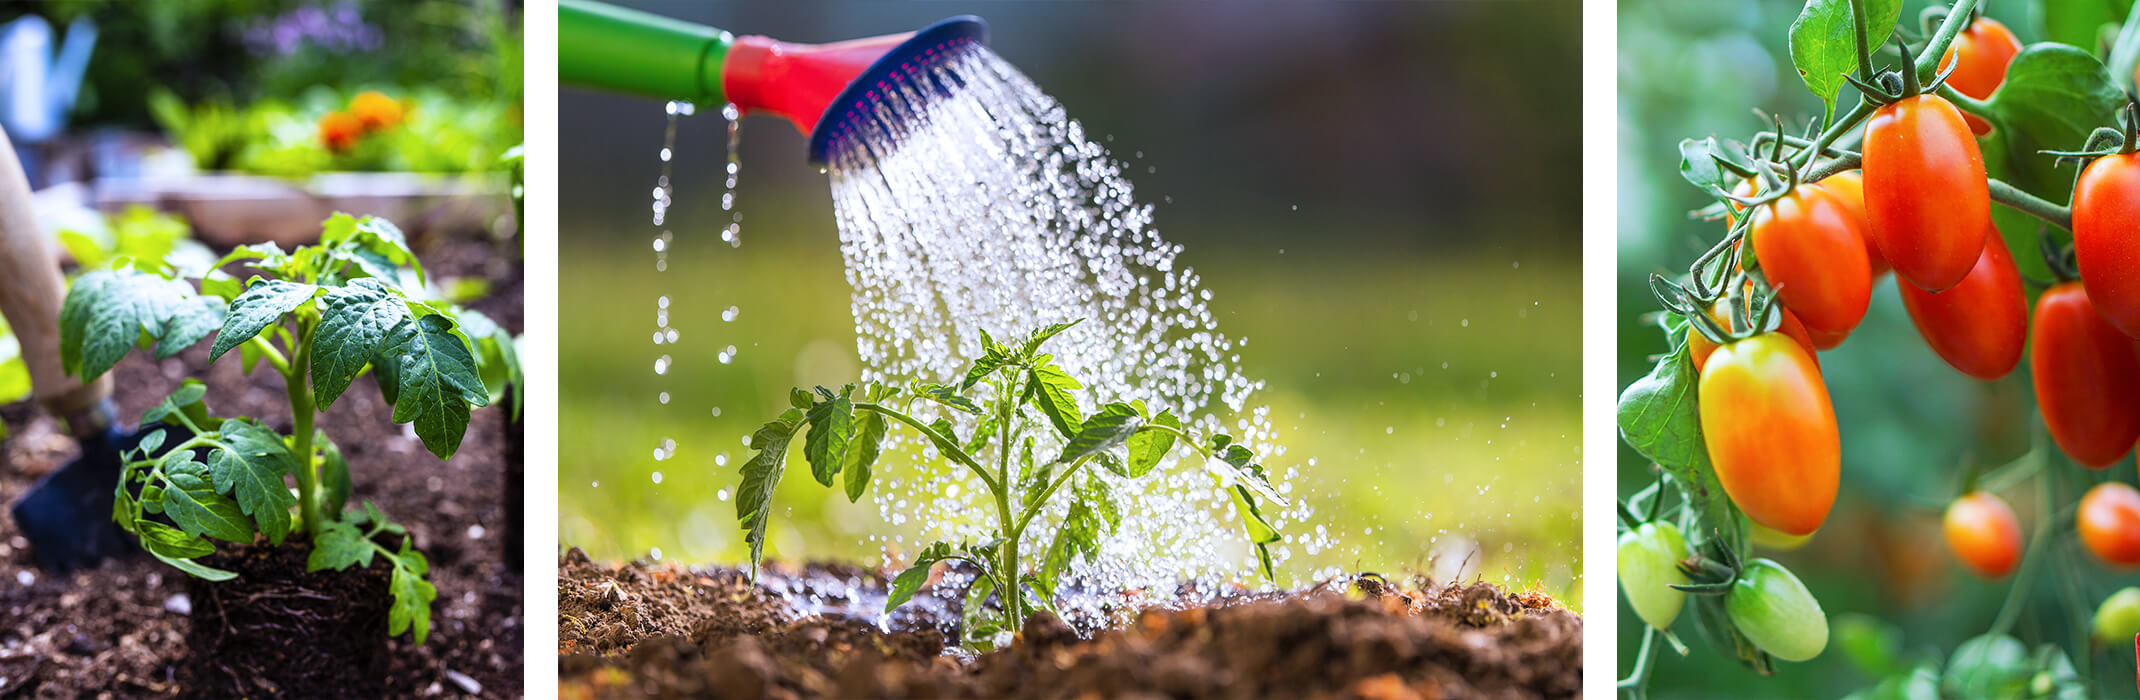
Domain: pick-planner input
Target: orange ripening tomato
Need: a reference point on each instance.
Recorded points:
(2087, 378)
(1984, 534)
(2109, 523)
(339, 131)
(1984, 49)
(1812, 251)
(1699, 347)
(1925, 191)
(1771, 432)
(1849, 188)
(1980, 325)
(376, 110)
(2106, 215)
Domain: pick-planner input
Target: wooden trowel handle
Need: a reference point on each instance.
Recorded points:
(31, 291)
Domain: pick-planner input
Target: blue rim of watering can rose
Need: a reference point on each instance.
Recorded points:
(910, 57)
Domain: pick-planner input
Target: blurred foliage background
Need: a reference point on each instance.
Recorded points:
(1911, 425)
(1397, 240)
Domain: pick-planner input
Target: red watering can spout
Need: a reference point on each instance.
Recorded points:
(797, 81)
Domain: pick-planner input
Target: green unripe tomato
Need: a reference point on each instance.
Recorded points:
(1773, 609)
(1649, 565)
(2118, 619)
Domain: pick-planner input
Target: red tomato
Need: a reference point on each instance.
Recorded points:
(1984, 534)
(1771, 432)
(1700, 347)
(1812, 251)
(2106, 215)
(1985, 48)
(1925, 192)
(1980, 325)
(2109, 523)
(2086, 378)
(1849, 188)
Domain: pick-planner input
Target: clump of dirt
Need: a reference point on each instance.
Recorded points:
(640, 630)
(245, 630)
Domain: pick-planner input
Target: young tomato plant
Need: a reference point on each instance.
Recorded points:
(1013, 390)
(321, 316)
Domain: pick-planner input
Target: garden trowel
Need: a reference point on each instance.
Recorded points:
(67, 516)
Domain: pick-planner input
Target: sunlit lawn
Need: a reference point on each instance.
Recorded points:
(1437, 395)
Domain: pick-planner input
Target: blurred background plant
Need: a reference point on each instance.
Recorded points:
(1911, 425)
(1387, 216)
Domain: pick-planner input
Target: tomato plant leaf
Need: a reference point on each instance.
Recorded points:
(355, 320)
(107, 312)
(862, 453)
(1034, 340)
(1147, 447)
(178, 549)
(194, 506)
(436, 380)
(1824, 42)
(909, 582)
(412, 594)
(188, 394)
(831, 430)
(339, 545)
(1115, 423)
(948, 398)
(1051, 394)
(754, 498)
(249, 463)
(263, 304)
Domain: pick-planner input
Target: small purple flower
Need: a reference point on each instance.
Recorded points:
(338, 28)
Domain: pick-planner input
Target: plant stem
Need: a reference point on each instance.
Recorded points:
(2031, 205)
(274, 357)
(949, 448)
(1637, 681)
(1971, 105)
(302, 412)
(1013, 595)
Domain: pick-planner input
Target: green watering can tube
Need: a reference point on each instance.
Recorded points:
(619, 49)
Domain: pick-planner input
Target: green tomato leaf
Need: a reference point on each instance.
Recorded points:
(194, 506)
(412, 594)
(947, 397)
(339, 545)
(436, 380)
(188, 394)
(1051, 388)
(862, 453)
(1113, 425)
(754, 497)
(1038, 337)
(178, 549)
(831, 430)
(1824, 43)
(909, 582)
(1147, 447)
(249, 463)
(107, 312)
(355, 320)
(262, 305)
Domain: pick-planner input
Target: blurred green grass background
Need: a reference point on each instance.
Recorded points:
(1910, 424)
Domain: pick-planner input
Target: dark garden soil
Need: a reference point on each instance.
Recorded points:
(640, 630)
(128, 628)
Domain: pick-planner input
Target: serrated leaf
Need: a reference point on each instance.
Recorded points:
(178, 549)
(436, 381)
(909, 582)
(1051, 394)
(831, 429)
(190, 320)
(412, 595)
(1148, 447)
(1041, 336)
(249, 464)
(754, 497)
(1824, 43)
(355, 320)
(862, 453)
(948, 397)
(262, 256)
(194, 506)
(338, 546)
(1110, 427)
(107, 312)
(189, 392)
(262, 305)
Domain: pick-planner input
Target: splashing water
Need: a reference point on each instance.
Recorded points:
(983, 206)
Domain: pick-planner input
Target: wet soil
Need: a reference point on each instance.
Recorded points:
(122, 629)
(645, 630)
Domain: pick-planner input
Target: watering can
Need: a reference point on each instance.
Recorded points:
(814, 86)
(37, 86)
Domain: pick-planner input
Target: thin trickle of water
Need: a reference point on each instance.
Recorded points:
(733, 234)
(984, 207)
(664, 241)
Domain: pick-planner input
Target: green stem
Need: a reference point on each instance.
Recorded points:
(1638, 680)
(1848, 121)
(949, 448)
(2009, 195)
(1013, 596)
(1980, 108)
(1045, 494)
(267, 350)
(302, 413)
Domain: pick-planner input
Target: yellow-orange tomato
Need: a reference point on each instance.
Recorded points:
(1771, 432)
(1813, 251)
(1699, 347)
(1983, 532)
(1985, 49)
(339, 131)
(375, 110)
(2110, 523)
(1849, 188)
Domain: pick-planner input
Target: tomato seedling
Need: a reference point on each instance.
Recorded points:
(1012, 390)
(321, 316)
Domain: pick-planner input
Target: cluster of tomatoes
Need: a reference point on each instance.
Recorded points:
(368, 112)
(1919, 206)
